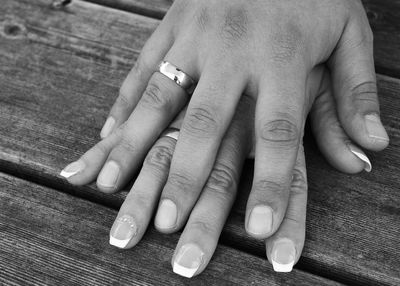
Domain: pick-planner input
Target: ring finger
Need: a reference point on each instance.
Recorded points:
(161, 101)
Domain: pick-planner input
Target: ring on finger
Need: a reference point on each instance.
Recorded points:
(177, 75)
(171, 132)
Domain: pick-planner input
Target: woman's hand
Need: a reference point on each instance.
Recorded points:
(200, 236)
(265, 49)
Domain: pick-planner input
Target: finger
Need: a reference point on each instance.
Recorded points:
(208, 116)
(354, 84)
(136, 211)
(332, 140)
(161, 101)
(87, 167)
(285, 246)
(135, 83)
(199, 239)
(278, 127)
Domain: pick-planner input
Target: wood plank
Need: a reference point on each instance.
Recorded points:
(51, 238)
(151, 8)
(59, 74)
(383, 17)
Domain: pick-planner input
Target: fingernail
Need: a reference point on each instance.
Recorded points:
(109, 175)
(107, 127)
(283, 255)
(375, 128)
(361, 155)
(260, 220)
(188, 260)
(122, 231)
(72, 169)
(166, 215)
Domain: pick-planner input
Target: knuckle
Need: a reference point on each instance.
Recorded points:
(201, 121)
(159, 158)
(235, 26)
(141, 67)
(267, 190)
(181, 182)
(101, 148)
(364, 95)
(202, 19)
(364, 87)
(281, 132)
(128, 145)
(286, 43)
(299, 182)
(333, 126)
(293, 216)
(123, 100)
(222, 180)
(202, 226)
(154, 97)
(266, 184)
(143, 200)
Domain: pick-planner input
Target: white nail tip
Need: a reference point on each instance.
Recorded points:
(282, 267)
(184, 271)
(72, 169)
(107, 128)
(66, 174)
(118, 242)
(363, 157)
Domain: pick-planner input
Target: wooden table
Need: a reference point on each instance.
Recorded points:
(60, 73)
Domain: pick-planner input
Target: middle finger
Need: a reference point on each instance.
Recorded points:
(208, 116)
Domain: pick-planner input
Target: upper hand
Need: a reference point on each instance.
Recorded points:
(265, 49)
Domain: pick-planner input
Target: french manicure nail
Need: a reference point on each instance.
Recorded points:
(361, 155)
(283, 255)
(107, 127)
(188, 260)
(166, 215)
(375, 128)
(122, 231)
(260, 220)
(109, 175)
(72, 169)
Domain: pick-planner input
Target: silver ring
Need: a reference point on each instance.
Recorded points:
(177, 75)
(171, 132)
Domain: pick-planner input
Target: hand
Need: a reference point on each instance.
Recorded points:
(211, 210)
(265, 49)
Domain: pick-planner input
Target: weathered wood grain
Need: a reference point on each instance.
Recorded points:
(151, 8)
(59, 74)
(51, 238)
(383, 17)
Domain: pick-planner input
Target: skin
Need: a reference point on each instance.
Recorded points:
(208, 216)
(266, 50)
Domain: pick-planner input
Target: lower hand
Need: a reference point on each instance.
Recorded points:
(209, 214)
(265, 49)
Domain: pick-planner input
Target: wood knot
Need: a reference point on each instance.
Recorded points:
(372, 16)
(58, 4)
(12, 30)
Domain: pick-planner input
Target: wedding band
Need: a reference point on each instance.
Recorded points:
(171, 132)
(177, 75)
